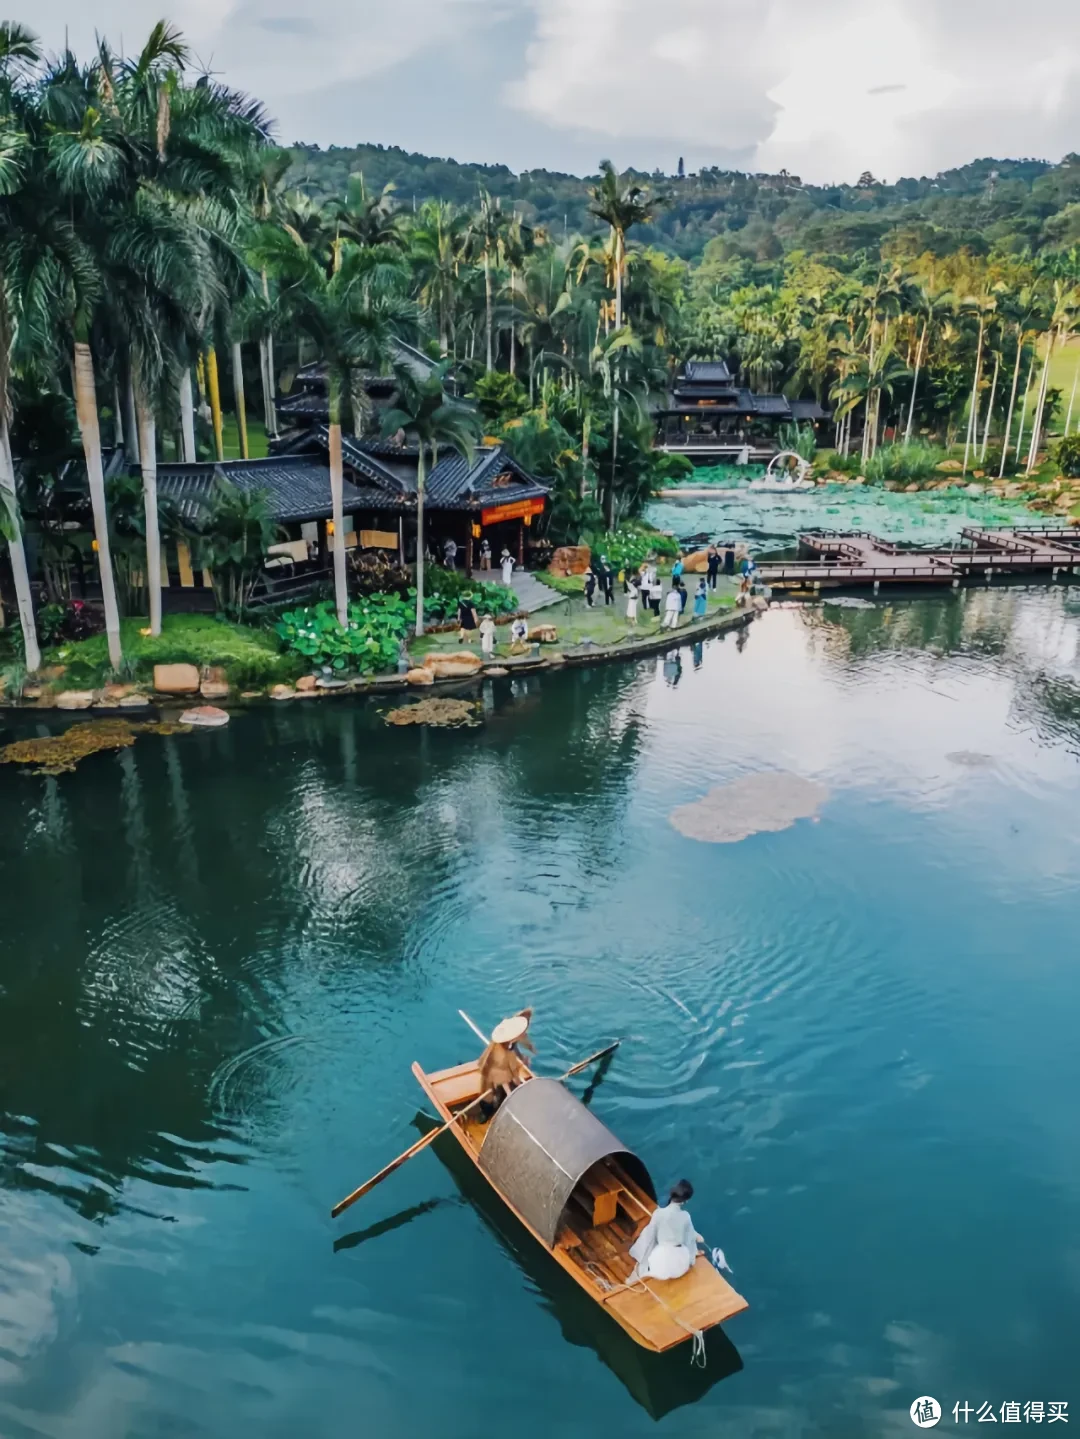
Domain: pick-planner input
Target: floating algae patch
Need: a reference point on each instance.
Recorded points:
(447, 713)
(756, 804)
(59, 754)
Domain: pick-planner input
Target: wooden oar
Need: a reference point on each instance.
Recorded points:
(428, 1138)
(433, 1134)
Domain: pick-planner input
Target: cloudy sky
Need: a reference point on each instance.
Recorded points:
(825, 88)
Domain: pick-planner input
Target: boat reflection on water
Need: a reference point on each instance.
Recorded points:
(659, 1382)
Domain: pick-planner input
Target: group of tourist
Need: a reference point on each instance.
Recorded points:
(506, 559)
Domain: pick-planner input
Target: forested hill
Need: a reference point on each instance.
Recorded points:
(1011, 203)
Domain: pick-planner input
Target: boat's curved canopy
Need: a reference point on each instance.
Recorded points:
(540, 1143)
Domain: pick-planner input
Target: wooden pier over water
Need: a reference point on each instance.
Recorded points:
(830, 559)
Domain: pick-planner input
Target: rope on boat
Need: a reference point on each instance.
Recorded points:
(698, 1358)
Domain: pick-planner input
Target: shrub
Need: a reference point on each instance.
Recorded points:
(901, 464)
(800, 439)
(444, 588)
(630, 546)
(74, 620)
(369, 643)
(1068, 457)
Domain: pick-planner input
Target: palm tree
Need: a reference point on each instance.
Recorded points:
(932, 305)
(622, 206)
(437, 252)
(18, 51)
(424, 410)
(352, 329)
(488, 230)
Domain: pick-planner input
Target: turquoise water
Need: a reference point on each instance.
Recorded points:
(770, 522)
(222, 951)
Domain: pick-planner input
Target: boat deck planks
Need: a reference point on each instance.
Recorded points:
(658, 1316)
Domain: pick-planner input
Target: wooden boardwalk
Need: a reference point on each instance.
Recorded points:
(832, 559)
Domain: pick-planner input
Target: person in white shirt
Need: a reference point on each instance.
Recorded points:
(487, 636)
(668, 1245)
(672, 609)
(506, 559)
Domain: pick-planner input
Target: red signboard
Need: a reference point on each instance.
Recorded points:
(516, 510)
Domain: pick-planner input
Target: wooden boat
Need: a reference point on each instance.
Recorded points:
(584, 1197)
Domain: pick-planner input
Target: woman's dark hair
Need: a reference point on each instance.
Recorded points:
(682, 1191)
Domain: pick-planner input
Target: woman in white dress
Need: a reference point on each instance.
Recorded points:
(506, 559)
(668, 1245)
(631, 600)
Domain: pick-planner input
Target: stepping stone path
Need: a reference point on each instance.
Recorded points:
(532, 593)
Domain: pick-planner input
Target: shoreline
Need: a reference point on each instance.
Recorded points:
(578, 655)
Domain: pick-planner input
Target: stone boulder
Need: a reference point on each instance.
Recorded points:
(214, 690)
(205, 717)
(282, 692)
(544, 634)
(419, 677)
(306, 683)
(570, 560)
(451, 666)
(75, 700)
(133, 702)
(176, 679)
(697, 563)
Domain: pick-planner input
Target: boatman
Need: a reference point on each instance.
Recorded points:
(501, 1066)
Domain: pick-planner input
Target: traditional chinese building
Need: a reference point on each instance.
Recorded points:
(709, 415)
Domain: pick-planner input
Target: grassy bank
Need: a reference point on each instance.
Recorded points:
(249, 657)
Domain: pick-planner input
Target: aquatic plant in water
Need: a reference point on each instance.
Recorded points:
(447, 713)
(59, 754)
(754, 804)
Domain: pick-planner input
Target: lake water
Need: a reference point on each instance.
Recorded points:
(220, 953)
(772, 522)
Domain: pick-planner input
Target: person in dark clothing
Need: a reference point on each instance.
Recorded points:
(590, 587)
(682, 594)
(729, 560)
(467, 621)
(714, 566)
(609, 581)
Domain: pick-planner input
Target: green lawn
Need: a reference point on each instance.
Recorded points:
(250, 657)
(575, 622)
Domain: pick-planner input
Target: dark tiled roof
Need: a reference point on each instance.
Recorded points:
(706, 372)
(308, 404)
(707, 392)
(296, 488)
(493, 478)
(775, 407)
(808, 410)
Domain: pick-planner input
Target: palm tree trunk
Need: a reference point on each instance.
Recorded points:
(24, 598)
(1040, 404)
(973, 413)
(915, 384)
(148, 451)
(1072, 400)
(214, 392)
(513, 327)
(420, 478)
(1023, 407)
(118, 417)
(610, 497)
(271, 380)
(238, 394)
(1012, 402)
(87, 412)
(187, 416)
(264, 378)
(990, 409)
(131, 425)
(337, 477)
(619, 279)
(487, 303)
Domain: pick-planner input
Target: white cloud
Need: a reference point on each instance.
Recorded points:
(825, 88)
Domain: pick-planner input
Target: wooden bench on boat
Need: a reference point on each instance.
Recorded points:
(584, 1197)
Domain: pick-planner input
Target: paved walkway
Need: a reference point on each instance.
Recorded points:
(533, 593)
